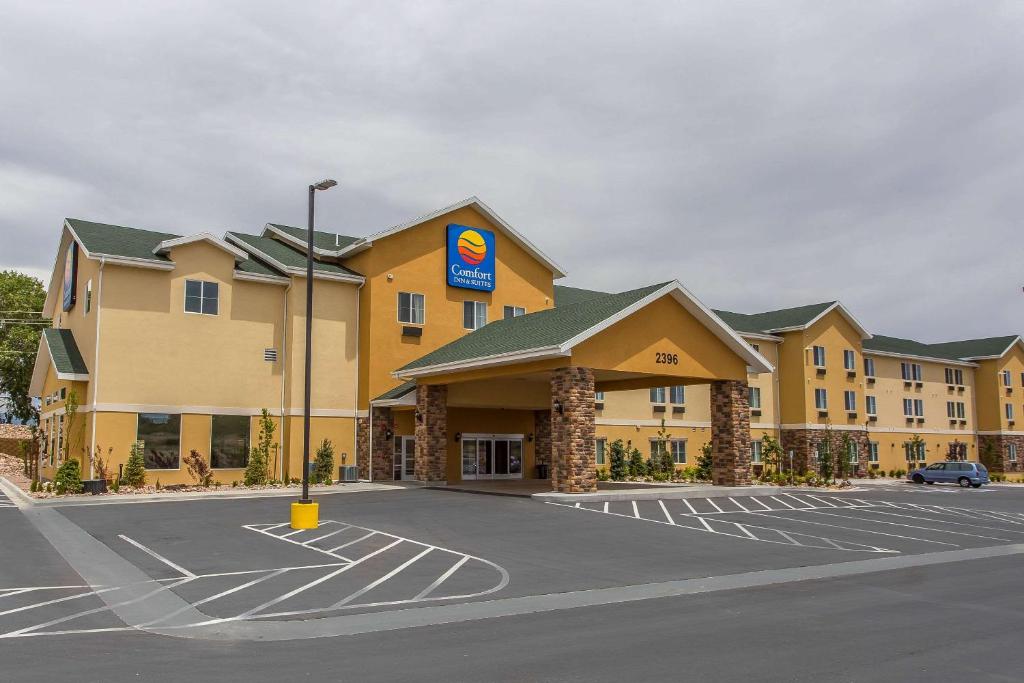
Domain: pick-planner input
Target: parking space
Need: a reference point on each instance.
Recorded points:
(5, 501)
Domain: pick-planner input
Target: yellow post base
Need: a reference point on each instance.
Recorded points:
(305, 515)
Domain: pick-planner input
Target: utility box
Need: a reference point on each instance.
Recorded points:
(348, 473)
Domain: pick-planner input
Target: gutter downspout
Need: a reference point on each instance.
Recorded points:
(355, 400)
(284, 370)
(96, 368)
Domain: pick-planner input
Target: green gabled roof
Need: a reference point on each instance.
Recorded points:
(285, 255)
(542, 329)
(396, 393)
(118, 240)
(67, 359)
(773, 320)
(907, 347)
(975, 348)
(321, 240)
(566, 296)
(252, 265)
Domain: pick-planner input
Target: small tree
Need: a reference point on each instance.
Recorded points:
(619, 470)
(198, 468)
(134, 474)
(917, 449)
(101, 465)
(637, 465)
(68, 478)
(70, 415)
(664, 463)
(257, 472)
(323, 465)
(843, 457)
(705, 461)
(771, 453)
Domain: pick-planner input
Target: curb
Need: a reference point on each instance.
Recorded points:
(653, 494)
(17, 496)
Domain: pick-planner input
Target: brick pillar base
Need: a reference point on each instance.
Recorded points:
(573, 463)
(363, 446)
(800, 442)
(380, 423)
(431, 433)
(730, 433)
(994, 452)
(542, 438)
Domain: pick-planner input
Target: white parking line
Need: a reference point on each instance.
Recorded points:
(320, 538)
(913, 526)
(441, 579)
(689, 506)
(373, 584)
(744, 530)
(760, 503)
(865, 531)
(714, 504)
(738, 504)
(946, 521)
(663, 509)
(229, 591)
(55, 601)
(345, 545)
(779, 500)
(823, 500)
(636, 512)
(176, 567)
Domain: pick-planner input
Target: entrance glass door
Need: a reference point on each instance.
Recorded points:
(405, 457)
(492, 456)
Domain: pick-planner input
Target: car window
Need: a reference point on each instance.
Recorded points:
(936, 466)
(982, 468)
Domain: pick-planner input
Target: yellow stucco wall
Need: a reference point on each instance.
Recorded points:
(889, 390)
(992, 396)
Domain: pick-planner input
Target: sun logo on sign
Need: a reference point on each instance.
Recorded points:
(472, 248)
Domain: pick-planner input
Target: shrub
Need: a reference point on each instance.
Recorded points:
(704, 462)
(101, 467)
(68, 478)
(257, 471)
(323, 464)
(33, 486)
(198, 468)
(637, 466)
(602, 474)
(619, 470)
(116, 486)
(135, 469)
(158, 486)
(871, 474)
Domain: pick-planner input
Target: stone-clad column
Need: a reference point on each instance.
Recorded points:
(573, 464)
(730, 433)
(431, 432)
(542, 438)
(380, 423)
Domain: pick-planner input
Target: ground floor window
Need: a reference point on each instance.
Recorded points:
(599, 446)
(1012, 452)
(60, 438)
(873, 451)
(160, 434)
(851, 452)
(913, 451)
(756, 449)
(229, 442)
(678, 447)
(658, 448)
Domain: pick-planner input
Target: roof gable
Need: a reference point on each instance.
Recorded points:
(57, 347)
(323, 242)
(287, 259)
(978, 349)
(103, 239)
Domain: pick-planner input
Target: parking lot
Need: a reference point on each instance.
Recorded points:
(203, 568)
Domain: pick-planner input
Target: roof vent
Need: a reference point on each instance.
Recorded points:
(270, 355)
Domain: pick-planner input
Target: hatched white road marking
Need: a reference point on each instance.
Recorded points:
(178, 568)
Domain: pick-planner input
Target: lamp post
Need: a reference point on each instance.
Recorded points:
(305, 513)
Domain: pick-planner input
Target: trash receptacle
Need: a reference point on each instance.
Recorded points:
(542, 470)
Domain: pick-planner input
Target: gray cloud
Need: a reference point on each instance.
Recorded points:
(766, 154)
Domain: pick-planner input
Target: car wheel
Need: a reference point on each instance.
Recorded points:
(918, 479)
(975, 486)
(964, 482)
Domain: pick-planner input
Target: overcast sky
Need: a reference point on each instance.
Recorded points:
(766, 154)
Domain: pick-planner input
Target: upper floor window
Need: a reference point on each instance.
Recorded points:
(1022, 379)
(954, 376)
(756, 347)
(870, 405)
(657, 394)
(474, 314)
(201, 297)
(411, 308)
(869, 367)
(908, 407)
(918, 407)
(850, 401)
(755, 397)
(677, 395)
(818, 354)
(821, 399)
(849, 359)
(1007, 382)
(961, 410)
(514, 311)
(911, 372)
(1009, 411)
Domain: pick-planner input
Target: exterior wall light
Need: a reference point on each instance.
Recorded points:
(529, 437)
(458, 437)
(557, 405)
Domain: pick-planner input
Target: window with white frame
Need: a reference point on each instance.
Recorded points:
(869, 367)
(951, 410)
(872, 451)
(1007, 382)
(60, 438)
(599, 397)
(658, 395)
(961, 410)
(201, 297)
(821, 399)
(849, 359)
(852, 452)
(918, 407)
(870, 405)
(905, 371)
(949, 376)
(912, 453)
(513, 311)
(658, 448)
(850, 401)
(954, 376)
(678, 448)
(474, 314)
(677, 395)
(1011, 452)
(754, 394)
(908, 407)
(818, 355)
(1009, 411)
(756, 451)
(599, 448)
(411, 308)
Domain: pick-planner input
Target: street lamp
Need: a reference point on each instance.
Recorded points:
(305, 513)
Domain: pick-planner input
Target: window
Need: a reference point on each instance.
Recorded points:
(908, 407)
(598, 397)
(60, 438)
(872, 451)
(870, 405)
(229, 442)
(1022, 379)
(951, 410)
(514, 311)
(961, 410)
(954, 376)
(756, 448)
(411, 308)
(201, 297)
(756, 347)
(852, 453)
(658, 448)
(755, 398)
(1006, 378)
(474, 314)
(912, 454)
(918, 407)
(1011, 452)
(821, 399)
(678, 447)
(160, 435)
(677, 395)
(818, 353)
(849, 359)
(910, 372)
(88, 298)
(599, 446)
(850, 401)
(1009, 411)
(869, 367)
(657, 394)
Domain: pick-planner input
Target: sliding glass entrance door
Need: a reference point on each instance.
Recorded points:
(492, 456)
(405, 457)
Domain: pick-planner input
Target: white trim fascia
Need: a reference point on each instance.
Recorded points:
(322, 412)
(930, 359)
(210, 410)
(258, 277)
(407, 400)
(300, 272)
(72, 377)
(880, 430)
(165, 246)
(484, 361)
(295, 241)
(624, 422)
(1017, 340)
(50, 304)
(760, 337)
(1000, 433)
(835, 305)
(367, 242)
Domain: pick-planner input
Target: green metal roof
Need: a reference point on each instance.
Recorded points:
(542, 329)
(67, 359)
(566, 296)
(252, 265)
(287, 256)
(976, 348)
(118, 240)
(398, 392)
(773, 320)
(321, 240)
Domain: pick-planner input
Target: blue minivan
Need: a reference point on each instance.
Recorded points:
(963, 473)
